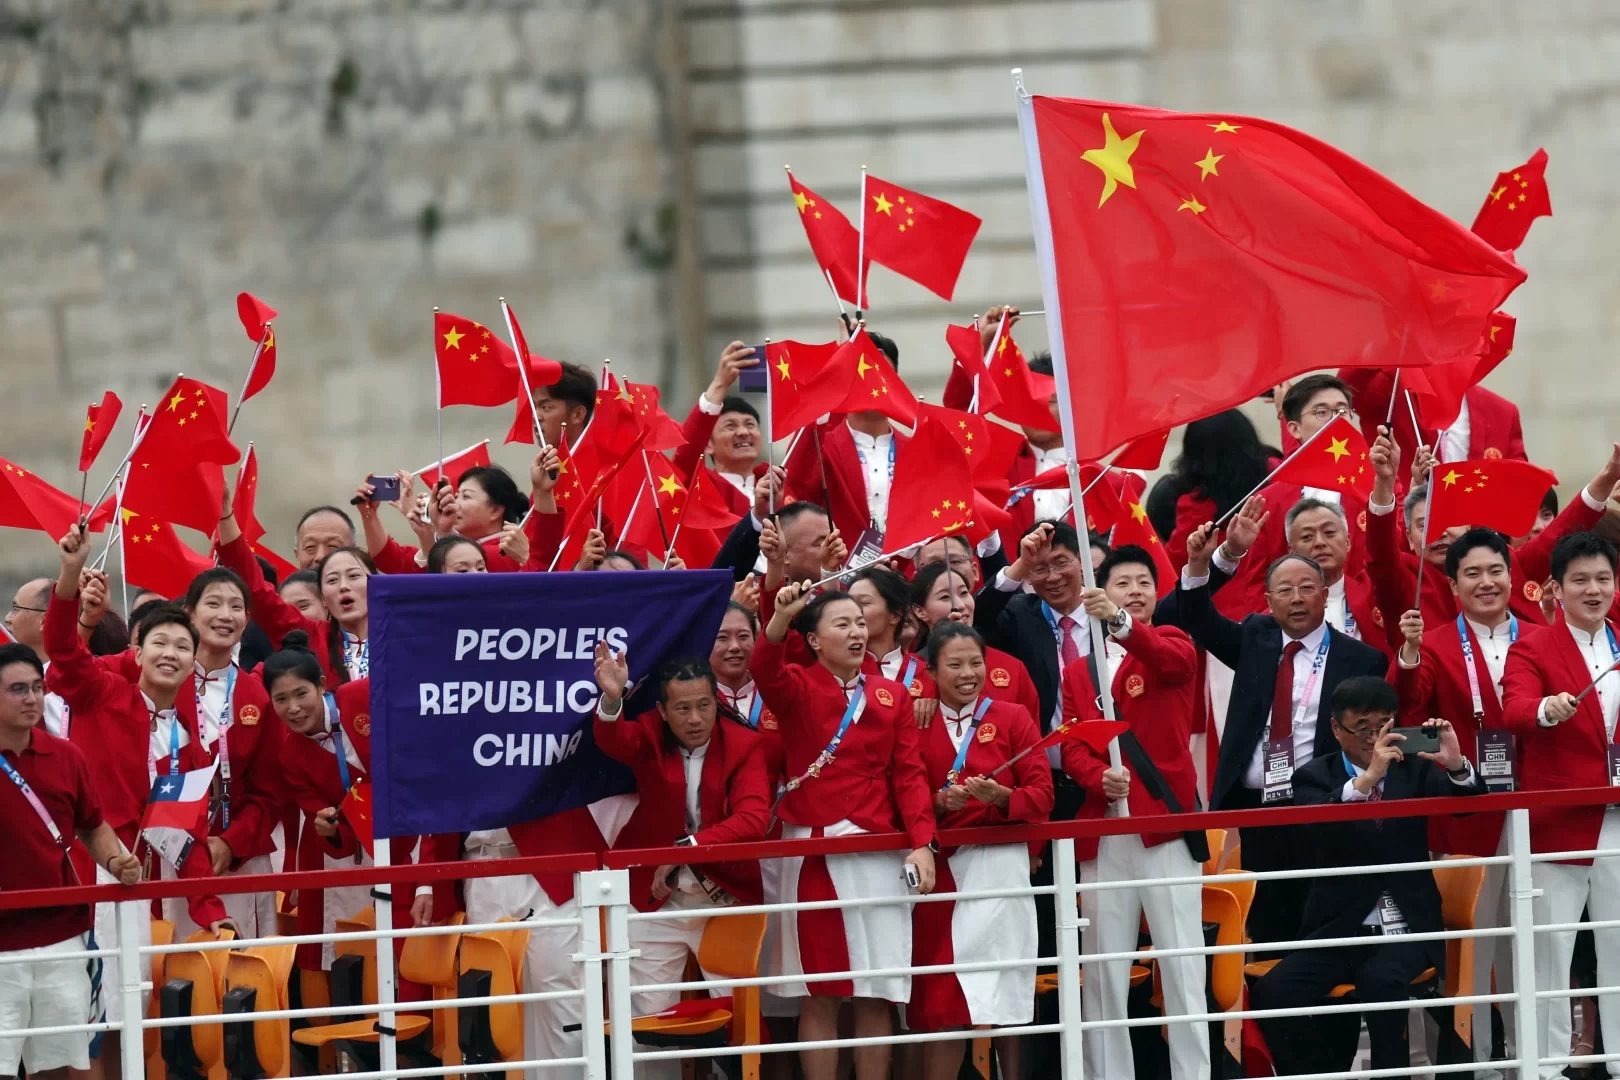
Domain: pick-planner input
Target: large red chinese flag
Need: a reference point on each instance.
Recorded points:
(174, 473)
(27, 502)
(156, 558)
(98, 424)
(256, 316)
(1500, 494)
(475, 366)
(1335, 459)
(1518, 197)
(932, 494)
(877, 387)
(917, 237)
(799, 393)
(1438, 391)
(833, 240)
(1201, 259)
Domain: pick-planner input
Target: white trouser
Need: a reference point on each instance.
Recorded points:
(1492, 910)
(772, 1003)
(1562, 890)
(40, 992)
(108, 996)
(548, 964)
(1218, 690)
(1175, 919)
(664, 945)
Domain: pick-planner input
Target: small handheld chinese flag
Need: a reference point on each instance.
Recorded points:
(917, 237)
(1518, 197)
(473, 457)
(1500, 494)
(172, 474)
(932, 494)
(1026, 395)
(475, 366)
(98, 424)
(256, 316)
(799, 391)
(833, 241)
(877, 387)
(356, 810)
(27, 502)
(1336, 459)
(965, 345)
(1144, 453)
(246, 495)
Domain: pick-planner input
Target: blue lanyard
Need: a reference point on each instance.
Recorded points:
(1468, 658)
(851, 711)
(911, 672)
(755, 709)
(967, 741)
(336, 720)
(174, 746)
(1614, 646)
(224, 752)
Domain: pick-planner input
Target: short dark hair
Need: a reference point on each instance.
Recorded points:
(1127, 555)
(1040, 363)
(793, 511)
(574, 386)
(738, 404)
(1579, 546)
(684, 669)
(620, 553)
(502, 490)
(13, 653)
(887, 347)
(441, 549)
(1364, 694)
(891, 588)
(215, 575)
(1299, 395)
(946, 631)
(1549, 502)
(137, 616)
(1477, 537)
(1063, 535)
(164, 614)
(312, 511)
(750, 613)
(302, 577)
(1293, 556)
(267, 570)
(1100, 542)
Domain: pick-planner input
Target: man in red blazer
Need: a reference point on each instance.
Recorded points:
(1486, 427)
(1454, 670)
(1567, 743)
(725, 426)
(701, 780)
(856, 463)
(1151, 670)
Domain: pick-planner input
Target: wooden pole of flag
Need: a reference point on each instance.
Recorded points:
(652, 486)
(860, 256)
(1261, 486)
(258, 351)
(1046, 260)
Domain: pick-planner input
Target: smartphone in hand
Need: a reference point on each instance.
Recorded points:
(1418, 740)
(752, 380)
(384, 488)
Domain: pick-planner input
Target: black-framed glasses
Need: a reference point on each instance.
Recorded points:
(16, 607)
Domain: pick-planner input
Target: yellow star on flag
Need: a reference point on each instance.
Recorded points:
(1338, 448)
(1224, 126)
(89, 424)
(1191, 203)
(1211, 159)
(801, 201)
(1497, 194)
(1114, 159)
(452, 338)
(1450, 478)
(782, 366)
(174, 402)
(1138, 512)
(883, 205)
(668, 486)
(129, 515)
(862, 367)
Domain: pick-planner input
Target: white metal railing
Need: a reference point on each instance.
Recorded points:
(604, 983)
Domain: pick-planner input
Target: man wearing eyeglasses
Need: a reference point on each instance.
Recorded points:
(1287, 664)
(26, 625)
(1366, 764)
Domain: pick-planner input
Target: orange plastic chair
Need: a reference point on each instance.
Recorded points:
(1217, 848)
(362, 1030)
(431, 961)
(1459, 899)
(501, 953)
(1233, 858)
(1226, 969)
(206, 973)
(265, 970)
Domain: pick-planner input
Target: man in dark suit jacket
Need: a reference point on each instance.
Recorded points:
(1369, 765)
(804, 529)
(1293, 652)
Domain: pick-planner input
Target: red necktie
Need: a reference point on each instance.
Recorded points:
(1068, 651)
(1282, 699)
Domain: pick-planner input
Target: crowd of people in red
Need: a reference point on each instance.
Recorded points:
(936, 689)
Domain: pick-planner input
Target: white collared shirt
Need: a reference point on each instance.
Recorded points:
(1338, 611)
(957, 721)
(58, 716)
(1599, 657)
(741, 699)
(692, 765)
(1493, 642)
(1350, 794)
(1455, 440)
(873, 452)
(167, 735)
(1303, 710)
(211, 703)
(1054, 503)
(890, 663)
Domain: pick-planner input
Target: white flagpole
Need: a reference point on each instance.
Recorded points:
(860, 257)
(770, 422)
(523, 373)
(1041, 220)
(257, 352)
(438, 394)
(452, 457)
(123, 563)
(1224, 518)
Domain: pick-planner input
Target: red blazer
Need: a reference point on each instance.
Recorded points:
(846, 483)
(113, 727)
(698, 429)
(1438, 687)
(1006, 730)
(1005, 679)
(1381, 633)
(254, 746)
(1394, 572)
(876, 780)
(1573, 754)
(1153, 692)
(277, 617)
(1273, 541)
(732, 795)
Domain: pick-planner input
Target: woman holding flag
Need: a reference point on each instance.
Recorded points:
(965, 751)
(851, 752)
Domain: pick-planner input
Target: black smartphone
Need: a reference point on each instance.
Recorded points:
(384, 488)
(752, 380)
(1418, 740)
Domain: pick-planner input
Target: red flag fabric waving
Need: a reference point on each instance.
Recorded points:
(475, 366)
(1498, 343)
(965, 344)
(657, 506)
(174, 473)
(833, 240)
(27, 502)
(155, 558)
(1504, 495)
(800, 394)
(357, 811)
(663, 433)
(706, 506)
(246, 495)
(932, 494)
(1336, 459)
(256, 316)
(1518, 197)
(1438, 392)
(877, 387)
(1026, 396)
(280, 565)
(593, 465)
(917, 237)
(99, 421)
(1201, 259)
(473, 457)
(1133, 527)
(1144, 453)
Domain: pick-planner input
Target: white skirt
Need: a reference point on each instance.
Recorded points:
(1000, 928)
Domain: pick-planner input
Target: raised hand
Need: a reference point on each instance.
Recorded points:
(991, 320)
(746, 592)
(612, 672)
(594, 551)
(1385, 750)
(1604, 484)
(1200, 544)
(544, 470)
(93, 597)
(75, 551)
(1450, 756)
(1244, 528)
(1116, 783)
(515, 542)
(775, 480)
(792, 598)
(1559, 707)
(1097, 604)
(833, 552)
(1031, 549)
(735, 357)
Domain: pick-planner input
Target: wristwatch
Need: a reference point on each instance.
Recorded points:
(933, 845)
(1119, 621)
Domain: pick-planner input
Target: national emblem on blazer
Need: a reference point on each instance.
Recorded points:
(362, 724)
(1532, 592)
(883, 696)
(1136, 686)
(1000, 677)
(987, 733)
(249, 716)
(1492, 453)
